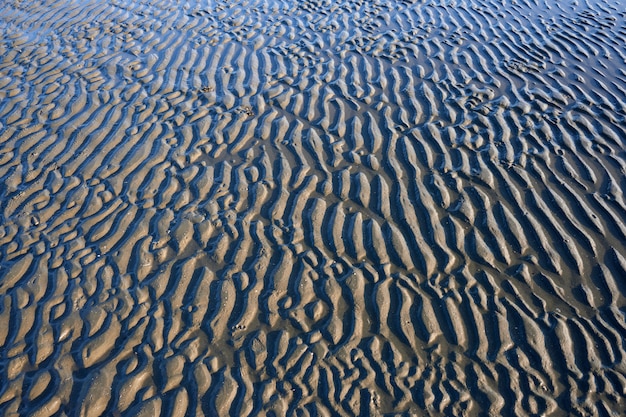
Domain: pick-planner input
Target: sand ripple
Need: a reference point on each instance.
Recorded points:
(312, 208)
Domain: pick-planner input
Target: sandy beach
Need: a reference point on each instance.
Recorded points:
(312, 208)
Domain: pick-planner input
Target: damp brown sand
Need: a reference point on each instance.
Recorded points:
(312, 208)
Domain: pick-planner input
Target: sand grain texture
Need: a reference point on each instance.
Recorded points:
(312, 208)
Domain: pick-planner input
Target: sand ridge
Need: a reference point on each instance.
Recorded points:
(312, 208)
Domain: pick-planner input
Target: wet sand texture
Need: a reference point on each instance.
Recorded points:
(312, 208)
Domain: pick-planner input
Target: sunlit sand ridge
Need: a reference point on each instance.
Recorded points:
(312, 208)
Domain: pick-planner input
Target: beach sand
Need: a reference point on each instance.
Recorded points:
(312, 208)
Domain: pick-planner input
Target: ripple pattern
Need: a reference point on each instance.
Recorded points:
(312, 207)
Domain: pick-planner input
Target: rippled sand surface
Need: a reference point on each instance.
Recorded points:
(312, 208)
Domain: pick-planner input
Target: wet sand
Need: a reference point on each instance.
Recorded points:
(312, 208)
